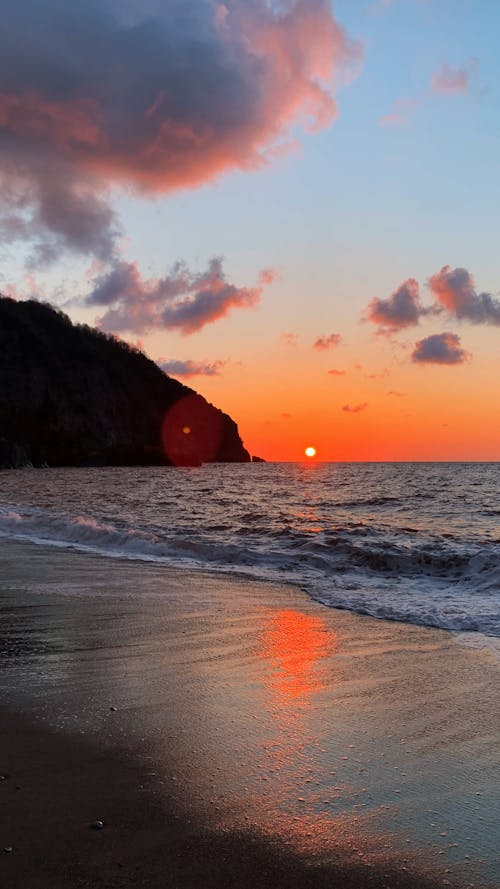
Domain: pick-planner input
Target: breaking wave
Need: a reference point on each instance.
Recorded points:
(361, 554)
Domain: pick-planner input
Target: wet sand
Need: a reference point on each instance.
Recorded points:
(230, 733)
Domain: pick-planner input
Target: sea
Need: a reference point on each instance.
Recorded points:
(411, 542)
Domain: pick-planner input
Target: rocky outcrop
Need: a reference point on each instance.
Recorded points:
(71, 395)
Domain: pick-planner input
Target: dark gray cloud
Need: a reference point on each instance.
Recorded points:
(181, 300)
(440, 348)
(188, 368)
(402, 309)
(454, 290)
(149, 95)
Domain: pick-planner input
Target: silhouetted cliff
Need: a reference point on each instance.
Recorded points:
(71, 395)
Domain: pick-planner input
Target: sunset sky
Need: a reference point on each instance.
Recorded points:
(290, 205)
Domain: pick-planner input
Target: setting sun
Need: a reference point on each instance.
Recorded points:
(310, 452)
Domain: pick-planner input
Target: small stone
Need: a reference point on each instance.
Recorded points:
(113, 709)
(97, 825)
(8, 849)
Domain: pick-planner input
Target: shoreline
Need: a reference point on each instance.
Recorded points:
(476, 639)
(286, 732)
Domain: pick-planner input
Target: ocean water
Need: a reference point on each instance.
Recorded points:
(415, 542)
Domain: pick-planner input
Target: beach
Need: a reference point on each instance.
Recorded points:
(243, 735)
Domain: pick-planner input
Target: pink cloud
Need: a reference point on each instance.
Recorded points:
(327, 342)
(452, 80)
(337, 373)
(181, 300)
(290, 339)
(454, 290)
(401, 112)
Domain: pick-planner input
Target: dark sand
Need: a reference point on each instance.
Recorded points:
(256, 739)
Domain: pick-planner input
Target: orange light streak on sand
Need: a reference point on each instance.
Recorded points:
(295, 644)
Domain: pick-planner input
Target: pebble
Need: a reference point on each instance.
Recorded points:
(7, 849)
(97, 825)
(113, 709)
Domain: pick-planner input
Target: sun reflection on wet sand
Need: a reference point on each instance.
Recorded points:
(295, 644)
(295, 650)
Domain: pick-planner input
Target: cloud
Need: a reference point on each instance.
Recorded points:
(446, 81)
(402, 309)
(354, 408)
(380, 375)
(396, 393)
(452, 80)
(150, 97)
(180, 301)
(454, 290)
(440, 348)
(401, 112)
(337, 373)
(290, 339)
(188, 368)
(327, 342)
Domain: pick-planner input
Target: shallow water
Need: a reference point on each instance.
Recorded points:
(413, 542)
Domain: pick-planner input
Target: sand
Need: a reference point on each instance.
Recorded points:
(231, 733)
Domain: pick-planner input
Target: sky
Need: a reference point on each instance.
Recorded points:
(290, 205)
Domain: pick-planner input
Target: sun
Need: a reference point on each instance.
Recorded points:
(310, 451)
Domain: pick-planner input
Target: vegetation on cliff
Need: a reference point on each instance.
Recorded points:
(72, 395)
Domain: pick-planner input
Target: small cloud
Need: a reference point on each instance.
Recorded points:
(450, 80)
(188, 368)
(440, 348)
(402, 309)
(327, 342)
(285, 416)
(354, 408)
(396, 394)
(385, 372)
(290, 339)
(334, 372)
(455, 291)
(400, 113)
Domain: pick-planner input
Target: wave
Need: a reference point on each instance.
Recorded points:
(396, 575)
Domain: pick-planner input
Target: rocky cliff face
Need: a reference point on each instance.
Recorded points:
(71, 395)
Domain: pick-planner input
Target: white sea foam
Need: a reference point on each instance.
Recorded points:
(425, 551)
